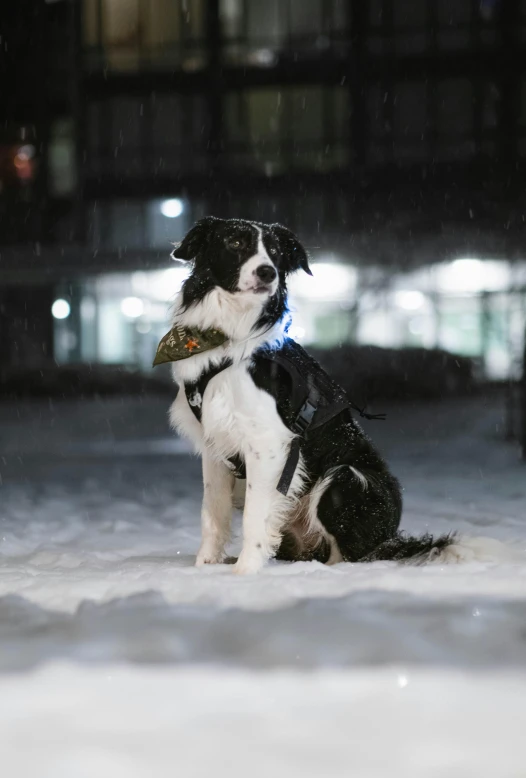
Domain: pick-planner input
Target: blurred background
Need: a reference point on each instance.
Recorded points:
(390, 135)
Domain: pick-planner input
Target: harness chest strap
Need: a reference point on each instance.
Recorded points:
(183, 342)
(300, 426)
(195, 393)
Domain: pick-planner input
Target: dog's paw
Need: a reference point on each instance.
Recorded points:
(248, 564)
(208, 557)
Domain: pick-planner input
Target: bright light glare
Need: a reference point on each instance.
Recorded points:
(61, 309)
(416, 325)
(165, 284)
(467, 265)
(330, 281)
(161, 285)
(402, 681)
(473, 275)
(410, 301)
(172, 208)
(132, 307)
(296, 333)
(88, 308)
(467, 273)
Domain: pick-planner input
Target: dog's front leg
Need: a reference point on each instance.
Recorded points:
(216, 511)
(265, 510)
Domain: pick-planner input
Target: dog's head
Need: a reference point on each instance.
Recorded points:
(249, 261)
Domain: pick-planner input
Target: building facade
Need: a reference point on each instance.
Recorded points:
(391, 135)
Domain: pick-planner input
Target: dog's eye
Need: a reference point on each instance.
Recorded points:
(234, 244)
(273, 251)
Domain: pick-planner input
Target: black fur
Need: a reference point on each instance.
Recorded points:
(363, 516)
(360, 519)
(403, 548)
(219, 247)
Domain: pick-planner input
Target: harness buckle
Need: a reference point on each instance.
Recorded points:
(304, 417)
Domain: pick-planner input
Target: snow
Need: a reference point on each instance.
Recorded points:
(118, 657)
(122, 722)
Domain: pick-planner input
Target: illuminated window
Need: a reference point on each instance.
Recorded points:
(264, 33)
(140, 34)
(61, 158)
(272, 130)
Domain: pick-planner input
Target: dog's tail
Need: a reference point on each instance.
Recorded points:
(444, 549)
(412, 549)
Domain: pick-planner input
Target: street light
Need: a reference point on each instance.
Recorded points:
(60, 309)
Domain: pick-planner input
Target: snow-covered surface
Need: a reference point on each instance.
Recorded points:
(158, 667)
(120, 722)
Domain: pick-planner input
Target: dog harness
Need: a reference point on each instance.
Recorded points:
(306, 397)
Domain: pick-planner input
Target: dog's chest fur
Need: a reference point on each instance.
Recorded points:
(236, 416)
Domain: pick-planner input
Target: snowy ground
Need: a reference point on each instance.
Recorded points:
(119, 658)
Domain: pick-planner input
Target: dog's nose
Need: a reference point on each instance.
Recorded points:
(266, 273)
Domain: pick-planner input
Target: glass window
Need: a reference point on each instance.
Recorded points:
(460, 328)
(262, 34)
(410, 122)
(404, 26)
(315, 217)
(415, 120)
(141, 224)
(61, 156)
(273, 130)
(140, 34)
(147, 136)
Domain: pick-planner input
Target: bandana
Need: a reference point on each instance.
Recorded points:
(183, 342)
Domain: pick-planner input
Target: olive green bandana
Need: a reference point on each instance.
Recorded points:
(183, 342)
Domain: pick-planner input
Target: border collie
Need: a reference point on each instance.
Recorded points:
(257, 406)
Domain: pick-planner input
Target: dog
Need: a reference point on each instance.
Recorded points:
(260, 410)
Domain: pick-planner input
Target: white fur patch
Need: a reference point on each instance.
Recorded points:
(477, 549)
(335, 555)
(315, 495)
(248, 279)
(236, 315)
(360, 476)
(319, 489)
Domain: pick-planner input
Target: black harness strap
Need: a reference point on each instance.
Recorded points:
(194, 394)
(300, 427)
(314, 400)
(195, 390)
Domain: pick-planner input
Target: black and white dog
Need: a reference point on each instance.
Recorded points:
(257, 406)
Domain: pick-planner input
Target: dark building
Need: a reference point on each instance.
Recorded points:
(390, 134)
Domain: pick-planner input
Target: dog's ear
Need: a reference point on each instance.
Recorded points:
(294, 255)
(195, 240)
